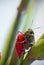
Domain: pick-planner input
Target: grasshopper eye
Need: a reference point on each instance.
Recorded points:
(31, 32)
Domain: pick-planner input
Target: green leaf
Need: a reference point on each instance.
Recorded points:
(36, 52)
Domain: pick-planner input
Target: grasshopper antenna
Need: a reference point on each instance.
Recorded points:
(20, 32)
(36, 28)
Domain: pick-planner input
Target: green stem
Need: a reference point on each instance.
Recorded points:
(14, 33)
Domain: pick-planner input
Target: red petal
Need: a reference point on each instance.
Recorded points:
(20, 37)
(19, 46)
(19, 49)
